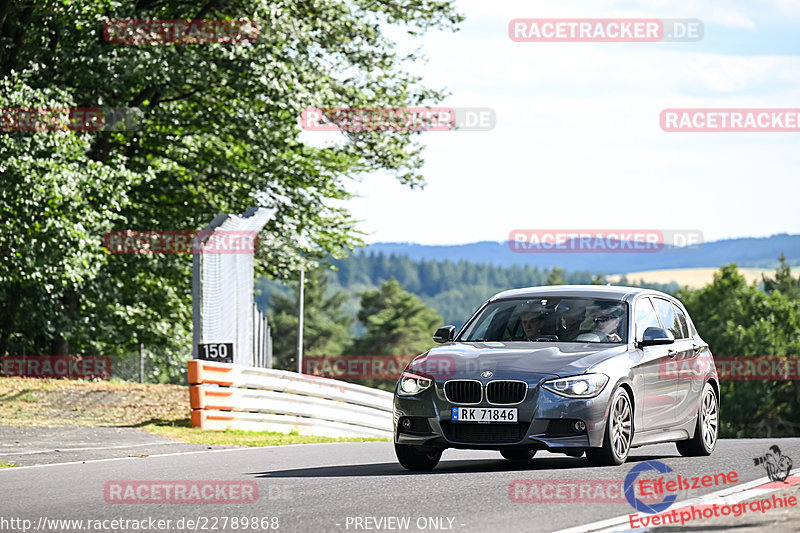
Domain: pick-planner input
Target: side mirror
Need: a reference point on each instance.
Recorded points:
(656, 337)
(445, 334)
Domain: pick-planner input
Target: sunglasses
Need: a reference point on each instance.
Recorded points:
(605, 318)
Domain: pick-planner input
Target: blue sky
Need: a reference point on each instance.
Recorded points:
(577, 142)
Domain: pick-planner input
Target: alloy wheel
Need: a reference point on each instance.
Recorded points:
(709, 424)
(621, 426)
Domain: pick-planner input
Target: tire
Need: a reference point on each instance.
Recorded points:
(518, 455)
(413, 459)
(618, 434)
(707, 428)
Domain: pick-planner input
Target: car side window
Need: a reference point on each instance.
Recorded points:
(684, 327)
(645, 316)
(666, 313)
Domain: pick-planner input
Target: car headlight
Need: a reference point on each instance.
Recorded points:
(583, 386)
(411, 384)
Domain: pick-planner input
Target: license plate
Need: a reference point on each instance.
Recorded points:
(484, 415)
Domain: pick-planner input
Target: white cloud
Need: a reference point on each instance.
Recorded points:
(578, 144)
(729, 18)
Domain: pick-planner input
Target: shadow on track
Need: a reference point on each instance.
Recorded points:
(449, 467)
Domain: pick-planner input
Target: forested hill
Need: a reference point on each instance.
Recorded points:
(454, 290)
(745, 252)
(455, 279)
(432, 277)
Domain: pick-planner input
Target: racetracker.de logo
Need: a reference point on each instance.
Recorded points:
(356, 366)
(602, 240)
(729, 120)
(70, 119)
(56, 366)
(190, 492)
(570, 491)
(153, 31)
(181, 242)
(758, 368)
(418, 119)
(376, 366)
(743, 368)
(615, 30)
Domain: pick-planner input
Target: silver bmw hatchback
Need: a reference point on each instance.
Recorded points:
(582, 369)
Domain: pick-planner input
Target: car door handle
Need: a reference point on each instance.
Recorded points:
(671, 353)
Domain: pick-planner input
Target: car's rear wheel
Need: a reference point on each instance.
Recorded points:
(618, 434)
(706, 430)
(414, 458)
(518, 455)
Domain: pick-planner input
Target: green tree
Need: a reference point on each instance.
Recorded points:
(325, 322)
(740, 320)
(783, 281)
(220, 134)
(395, 321)
(556, 276)
(599, 279)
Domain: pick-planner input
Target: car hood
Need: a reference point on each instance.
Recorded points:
(512, 360)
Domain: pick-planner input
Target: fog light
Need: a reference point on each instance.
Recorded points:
(406, 423)
(579, 425)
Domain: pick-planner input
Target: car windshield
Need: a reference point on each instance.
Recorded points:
(547, 319)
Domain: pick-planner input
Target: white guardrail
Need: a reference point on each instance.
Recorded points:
(226, 396)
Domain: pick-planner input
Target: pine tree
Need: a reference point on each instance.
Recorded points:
(396, 322)
(556, 276)
(783, 282)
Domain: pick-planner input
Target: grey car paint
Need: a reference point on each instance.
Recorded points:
(665, 403)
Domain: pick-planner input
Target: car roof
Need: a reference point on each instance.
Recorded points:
(613, 292)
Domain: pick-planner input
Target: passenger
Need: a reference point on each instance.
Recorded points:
(606, 320)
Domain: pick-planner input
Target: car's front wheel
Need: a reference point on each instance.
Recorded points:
(705, 433)
(518, 455)
(618, 434)
(413, 458)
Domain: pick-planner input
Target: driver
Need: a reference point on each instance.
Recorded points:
(532, 320)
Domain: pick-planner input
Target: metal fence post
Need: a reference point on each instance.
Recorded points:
(300, 324)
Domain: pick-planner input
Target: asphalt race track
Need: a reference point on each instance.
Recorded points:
(358, 486)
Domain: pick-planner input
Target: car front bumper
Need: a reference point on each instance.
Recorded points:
(545, 421)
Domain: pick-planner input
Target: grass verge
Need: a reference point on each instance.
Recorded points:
(159, 409)
(75, 402)
(182, 431)
(4, 464)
